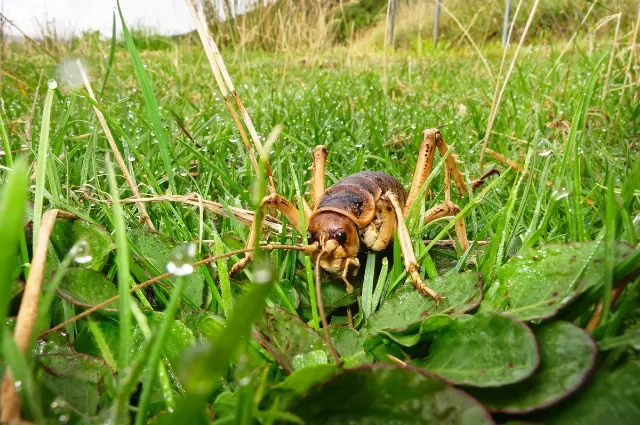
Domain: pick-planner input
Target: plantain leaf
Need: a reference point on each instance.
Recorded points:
(87, 288)
(154, 250)
(408, 308)
(292, 343)
(84, 382)
(349, 344)
(538, 282)
(567, 355)
(381, 394)
(608, 398)
(67, 232)
(484, 350)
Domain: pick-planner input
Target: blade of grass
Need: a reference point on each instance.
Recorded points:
(122, 257)
(41, 164)
(112, 55)
(367, 285)
(13, 202)
(381, 284)
(158, 347)
(150, 103)
(22, 381)
(609, 246)
(315, 318)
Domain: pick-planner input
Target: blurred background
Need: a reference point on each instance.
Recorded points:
(295, 24)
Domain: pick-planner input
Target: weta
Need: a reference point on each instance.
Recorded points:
(361, 212)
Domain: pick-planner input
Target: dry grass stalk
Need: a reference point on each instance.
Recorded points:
(473, 44)
(627, 70)
(242, 215)
(496, 105)
(611, 56)
(144, 216)
(28, 313)
(226, 87)
(571, 40)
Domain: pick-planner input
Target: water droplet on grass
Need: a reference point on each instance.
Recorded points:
(560, 194)
(180, 261)
(263, 272)
(131, 157)
(52, 84)
(81, 252)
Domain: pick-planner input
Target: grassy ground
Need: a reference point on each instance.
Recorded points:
(568, 119)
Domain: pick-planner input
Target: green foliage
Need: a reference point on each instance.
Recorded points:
(510, 331)
(356, 16)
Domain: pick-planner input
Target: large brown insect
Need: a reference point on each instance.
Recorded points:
(361, 212)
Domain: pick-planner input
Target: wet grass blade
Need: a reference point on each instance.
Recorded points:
(609, 246)
(367, 285)
(13, 202)
(122, 257)
(41, 166)
(150, 102)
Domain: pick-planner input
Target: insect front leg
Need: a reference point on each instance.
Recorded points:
(287, 209)
(410, 262)
(356, 265)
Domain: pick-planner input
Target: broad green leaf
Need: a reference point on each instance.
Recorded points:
(83, 381)
(204, 323)
(87, 288)
(349, 344)
(389, 395)
(407, 306)
(334, 295)
(419, 331)
(180, 337)
(484, 350)
(608, 398)
(291, 342)
(67, 232)
(567, 355)
(538, 282)
(156, 248)
(301, 380)
(292, 296)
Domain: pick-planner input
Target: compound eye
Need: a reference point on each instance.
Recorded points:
(312, 237)
(341, 236)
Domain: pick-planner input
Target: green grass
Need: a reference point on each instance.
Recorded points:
(165, 112)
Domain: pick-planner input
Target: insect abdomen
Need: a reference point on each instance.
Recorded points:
(356, 195)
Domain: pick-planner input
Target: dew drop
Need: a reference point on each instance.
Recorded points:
(18, 385)
(81, 252)
(545, 152)
(131, 157)
(180, 261)
(52, 84)
(263, 272)
(560, 194)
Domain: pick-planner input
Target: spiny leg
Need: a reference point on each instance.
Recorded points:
(287, 209)
(480, 181)
(449, 209)
(431, 139)
(410, 262)
(317, 175)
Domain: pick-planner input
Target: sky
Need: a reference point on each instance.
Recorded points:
(75, 16)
